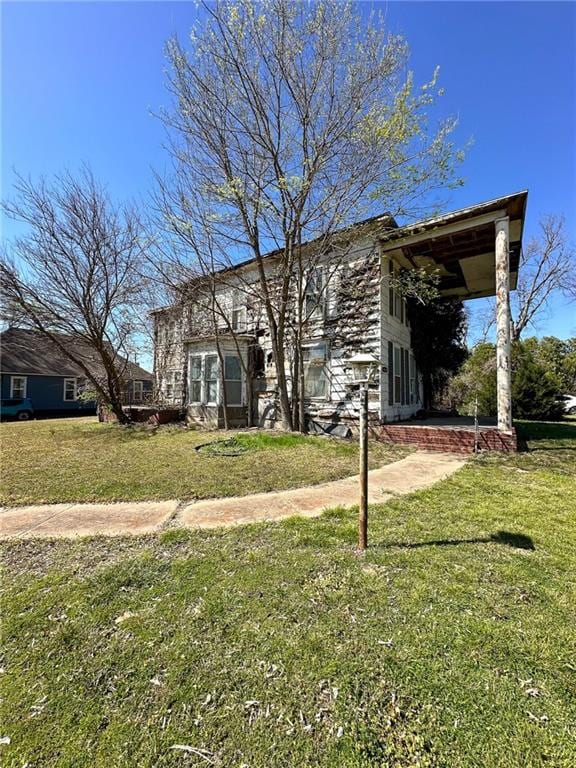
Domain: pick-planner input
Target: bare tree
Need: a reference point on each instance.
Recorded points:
(292, 120)
(546, 268)
(76, 276)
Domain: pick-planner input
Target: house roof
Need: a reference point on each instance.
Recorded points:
(383, 221)
(29, 352)
(459, 246)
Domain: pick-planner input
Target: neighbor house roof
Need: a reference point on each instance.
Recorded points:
(29, 352)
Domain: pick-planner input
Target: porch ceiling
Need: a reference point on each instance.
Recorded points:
(460, 246)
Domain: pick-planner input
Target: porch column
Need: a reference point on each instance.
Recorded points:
(503, 366)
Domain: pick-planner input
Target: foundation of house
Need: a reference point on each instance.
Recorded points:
(452, 435)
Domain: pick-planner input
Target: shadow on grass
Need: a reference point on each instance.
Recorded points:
(546, 430)
(514, 540)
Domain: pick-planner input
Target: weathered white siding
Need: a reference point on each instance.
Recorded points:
(354, 318)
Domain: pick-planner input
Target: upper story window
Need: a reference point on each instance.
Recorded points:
(316, 383)
(18, 386)
(314, 292)
(239, 319)
(396, 302)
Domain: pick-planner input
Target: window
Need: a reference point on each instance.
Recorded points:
(211, 378)
(178, 385)
(315, 374)
(18, 386)
(395, 299)
(390, 373)
(138, 389)
(313, 293)
(402, 376)
(397, 374)
(233, 379)
(413, 395)
(239, 319)
(69, 390)
(196, 379)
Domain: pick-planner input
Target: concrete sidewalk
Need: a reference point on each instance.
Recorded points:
(416, 471)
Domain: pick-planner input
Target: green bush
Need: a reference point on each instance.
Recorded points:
(535, 388)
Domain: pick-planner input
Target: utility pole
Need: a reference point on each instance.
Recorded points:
(363, 511)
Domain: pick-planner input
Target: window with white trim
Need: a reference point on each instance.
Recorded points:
(138, 391)
(239, 319)
(70, 390)
(211, 379)
(172, 385)
(314, 292)
(413, 383)
(396, 303)
(315, 372)
(397, 374)
(18, 386)
(178, 385)
(196, 379)
(233, 379)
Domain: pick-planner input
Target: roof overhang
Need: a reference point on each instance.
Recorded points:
(460, 246)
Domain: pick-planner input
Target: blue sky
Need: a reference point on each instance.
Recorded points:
(80, 81)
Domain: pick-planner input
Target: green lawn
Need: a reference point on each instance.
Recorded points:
(451, 643)
(81, 460)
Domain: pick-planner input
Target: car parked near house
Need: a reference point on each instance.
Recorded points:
(568, 403)
(20, 408)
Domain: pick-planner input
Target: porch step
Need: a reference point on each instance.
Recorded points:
(447, 439)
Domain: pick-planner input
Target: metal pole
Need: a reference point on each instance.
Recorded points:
(476, 430)
(363, 511)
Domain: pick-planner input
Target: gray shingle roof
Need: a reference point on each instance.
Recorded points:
(29, 352)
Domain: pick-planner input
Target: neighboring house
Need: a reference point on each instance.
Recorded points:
(353, 308)
(32, 366)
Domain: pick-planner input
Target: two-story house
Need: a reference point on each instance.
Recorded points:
(352, 305)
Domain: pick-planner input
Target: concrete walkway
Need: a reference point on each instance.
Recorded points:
(416, 471)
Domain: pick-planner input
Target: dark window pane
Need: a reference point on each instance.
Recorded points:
(195, 391)
(234, 393)
(232, 368)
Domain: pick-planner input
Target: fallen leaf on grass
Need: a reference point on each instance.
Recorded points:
(540, 720)
(124, 616)
(203, 753)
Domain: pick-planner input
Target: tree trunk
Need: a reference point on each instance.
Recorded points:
(295, 402)
(222, 384)
(301, 385)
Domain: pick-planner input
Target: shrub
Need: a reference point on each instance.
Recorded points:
(534, 390)
(534, 386)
